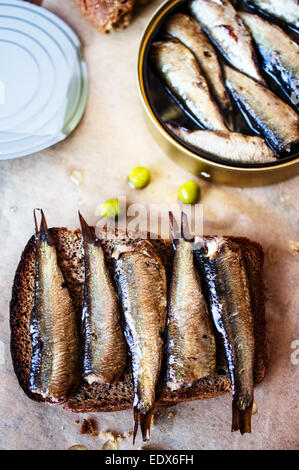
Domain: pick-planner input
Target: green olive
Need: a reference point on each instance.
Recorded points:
(110, 208)
(139, 177)
(189, 192)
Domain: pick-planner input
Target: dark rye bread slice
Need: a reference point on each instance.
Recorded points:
(103, 397)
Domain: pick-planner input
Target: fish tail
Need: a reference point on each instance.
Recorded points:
(136, 421)
(174, 229)
(87, 234)
(242, 418)
(42, 231)
(145, 424)
(43, 223)
(145, 420)
(35, 220)
(178, 233)
(185, 228)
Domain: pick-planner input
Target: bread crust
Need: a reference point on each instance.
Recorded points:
(104, 397)
(107, 15)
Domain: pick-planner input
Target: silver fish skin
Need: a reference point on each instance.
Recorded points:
(226, 29)
(286, 10)
(190, 341)
(141, 280)
(270, 116)
(187, 30)
(225, 273)
(178, 67)
(54, 371)
(279, 52)
(105, 349)
(227, 146)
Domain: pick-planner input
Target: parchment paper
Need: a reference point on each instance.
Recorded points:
(111, 139)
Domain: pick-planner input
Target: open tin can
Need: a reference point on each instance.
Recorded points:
(198, 163)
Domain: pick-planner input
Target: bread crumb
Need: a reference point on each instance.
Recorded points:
(113, 435)
(272, 255)
(76, 177)
(114, 438)
(107, 15)
(163, 412)
(107, 434)
(88, 427)
(285, 197)
(164, 418)
(294, 247)
(254, 408)
(111, 445)
(124, 435)
(77, 447)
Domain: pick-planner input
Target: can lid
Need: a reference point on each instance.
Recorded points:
(43, 79)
